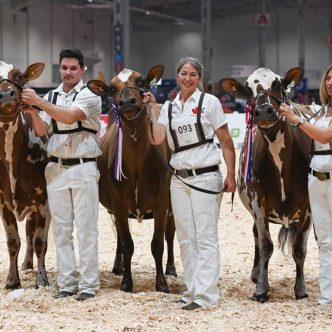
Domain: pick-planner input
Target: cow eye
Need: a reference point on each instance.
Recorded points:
(276, 85)
(140, 82)
(19, 78)
(112, 90)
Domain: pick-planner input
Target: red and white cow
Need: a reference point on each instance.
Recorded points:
(134, 175)
(273, 172)
(22, 183)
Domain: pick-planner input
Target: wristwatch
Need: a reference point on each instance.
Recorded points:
(301, 122)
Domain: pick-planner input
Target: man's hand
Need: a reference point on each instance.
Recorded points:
(30, 97)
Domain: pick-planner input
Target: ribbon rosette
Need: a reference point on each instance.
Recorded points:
(247, 162)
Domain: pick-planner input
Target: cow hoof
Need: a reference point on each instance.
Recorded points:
(300, 297)
(27, 266)
(171, 271)
(42, 283)
(118, 271)
(262, 298)
(17, 285)
(127, 287)
(162, 288)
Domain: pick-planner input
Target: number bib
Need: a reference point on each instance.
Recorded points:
(186, 134)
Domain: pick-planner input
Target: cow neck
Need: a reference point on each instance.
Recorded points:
(13, 136)
(135, 137)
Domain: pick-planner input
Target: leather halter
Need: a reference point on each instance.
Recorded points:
(141, 91)
(18, 85)
(278, 100)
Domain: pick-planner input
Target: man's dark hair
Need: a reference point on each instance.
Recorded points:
(77, 54)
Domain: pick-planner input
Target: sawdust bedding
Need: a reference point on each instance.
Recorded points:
(146, 310)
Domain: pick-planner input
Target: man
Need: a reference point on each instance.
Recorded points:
(70, 114)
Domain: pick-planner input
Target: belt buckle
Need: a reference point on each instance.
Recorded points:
(183, 173)
(321, 176)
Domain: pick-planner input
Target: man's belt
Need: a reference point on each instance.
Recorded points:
(184, 173)
(70, 161)
(320, 175)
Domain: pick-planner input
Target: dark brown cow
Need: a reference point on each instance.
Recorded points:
(273, 186)
(22, 183)
(137, 185)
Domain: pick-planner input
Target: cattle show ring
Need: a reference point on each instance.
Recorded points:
(254, 65)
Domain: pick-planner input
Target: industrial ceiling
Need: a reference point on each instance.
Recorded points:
(179, 12)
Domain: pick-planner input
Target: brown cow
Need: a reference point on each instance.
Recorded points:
(273, 177)
(134, 177)
(22, 183)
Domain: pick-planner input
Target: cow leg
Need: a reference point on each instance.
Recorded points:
(30, 228)
(118, 261)
(299, 254)
(127, 248)
(157, 248)
(13, 245)
(40, 247)
(255, 269)
(265, 253)
(169, 235)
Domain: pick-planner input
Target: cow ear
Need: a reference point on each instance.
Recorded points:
(154, 75)
(98, 87)
(33, 71)
(292, 77)
(234, 88)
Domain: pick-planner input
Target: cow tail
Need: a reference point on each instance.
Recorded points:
(288, 235)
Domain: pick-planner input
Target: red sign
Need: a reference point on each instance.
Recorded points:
(329, 40)
(262, 20)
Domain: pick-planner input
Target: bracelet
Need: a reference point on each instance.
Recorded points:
(301, 122)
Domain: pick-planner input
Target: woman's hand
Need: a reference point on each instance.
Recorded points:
(287, 112)
(148, 98)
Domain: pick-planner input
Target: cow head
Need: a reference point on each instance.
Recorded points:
(12, 81)
(127, 90)
(265, 91)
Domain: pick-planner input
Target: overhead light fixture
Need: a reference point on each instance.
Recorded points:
(147, 13)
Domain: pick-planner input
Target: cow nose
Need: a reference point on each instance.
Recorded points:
(264, 112)
(127, 101)
(9, 94)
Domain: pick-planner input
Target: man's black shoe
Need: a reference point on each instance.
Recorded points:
(63, 294)
(191, 306)
(180, 301)
(84, 296)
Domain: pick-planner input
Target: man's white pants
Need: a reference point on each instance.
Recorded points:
(196, 219)
(320, 195)
(73, 195)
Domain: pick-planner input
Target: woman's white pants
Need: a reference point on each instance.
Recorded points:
(320, 195)
(196, 219)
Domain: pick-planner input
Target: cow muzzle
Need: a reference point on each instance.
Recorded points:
(130, 103)
(9, 103)
(265, 115)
